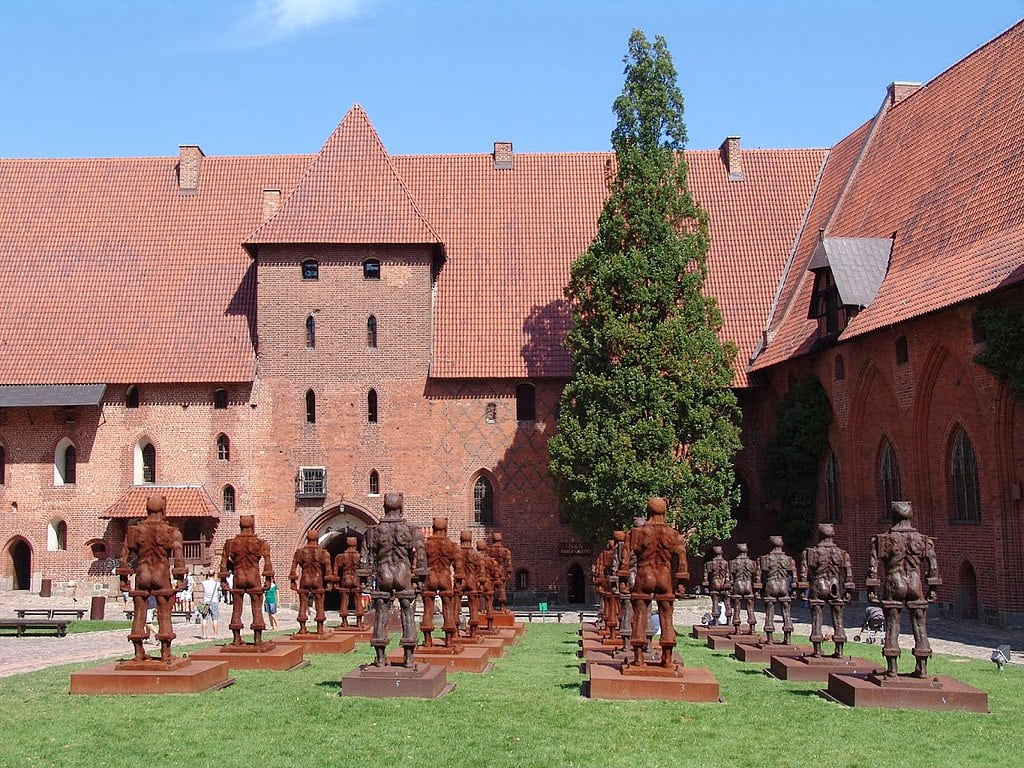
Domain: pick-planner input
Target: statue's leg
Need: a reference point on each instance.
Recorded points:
(321, 614)
(769, 618)
(668, 630)
(449, 622)
(357, 602)
(751, 620)
(891, 644)
(838, 628)
(427, 624)
(641, 612)
(817, 633)
(407, 603)
(714, 608)
(473, 599)
(236, 624)
(379, 641)
(734, 601)
(259, 623)
(165, 631)
(303, 610)
(625, 620)
(137, 634)
(922, 648)
(786, 604)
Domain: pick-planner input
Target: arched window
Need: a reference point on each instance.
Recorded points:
(374, 483)
(223, 447)
(310, 331)
(963, 469)
(483, 501)
(491, 413)
(371, 406)
(131, 397)
(371, 332)
(889, 475)
(371, 269)
(741, 511)
(65, 463)
(149, 463)
(840, 368)
(310, 406)
(833, 490)
(229, 498)
(526, 402)
(310, 269)
(220, 399)
(57, 535)
(522, 580)
(3, 465)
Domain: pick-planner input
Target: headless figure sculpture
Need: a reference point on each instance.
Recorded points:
(442, 555)
(655, 547)
(490, 573)
(351, 578)
(777, 575)
(310, 574)
(827, 575)
(503, 556)
(470, 566)
(741, 577)
(241, 557)
(156, 545)
(718, 584)
(395, 553)
(604, 585)
(903, 570)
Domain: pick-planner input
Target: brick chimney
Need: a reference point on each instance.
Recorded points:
(271, 202)
(899, 91)
(503, 155)
(730, 150)
(190, 158)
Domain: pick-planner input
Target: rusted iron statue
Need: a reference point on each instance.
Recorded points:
(395, 556)
(718, 584)
(777, 578)
(827, 575)
(741, 579)
(604, 585)
(350, 576)
(659, 553)
(503, 556)
(470, 567)
(903, 570)
(310, 576)
(442, 562)
(241, 560)
(623, 586)
(156, 547)
(490, 573)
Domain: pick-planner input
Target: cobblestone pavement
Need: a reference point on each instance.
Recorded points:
(26, 654)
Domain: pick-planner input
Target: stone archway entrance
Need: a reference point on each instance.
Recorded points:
(335, 525)
(577, 584)
(965, 598)
(17, 568)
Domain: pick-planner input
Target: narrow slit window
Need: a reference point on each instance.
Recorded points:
(371, 332)
(374, 483)
(310, 331)
(310, 406)
(371, 406)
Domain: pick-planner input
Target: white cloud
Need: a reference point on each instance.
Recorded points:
(271, 20)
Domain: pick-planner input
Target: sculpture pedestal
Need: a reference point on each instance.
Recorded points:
(508, 637)
(134, 677)
(904, 692)
(507, 620)
(328, 642)
(361, 634)
(728, 642)
(270, 656)
(762, 653)
(608, 681)
(809, 668)
(420, 681)
(494, 646)
(469, 658)
(701, 631)
(588, 644)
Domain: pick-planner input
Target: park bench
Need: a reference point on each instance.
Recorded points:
(22, 627)
(129, 613)
(541, 615)
(50, 613)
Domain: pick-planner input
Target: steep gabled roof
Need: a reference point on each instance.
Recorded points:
(350, 193)
(858, 266)
(944, 170)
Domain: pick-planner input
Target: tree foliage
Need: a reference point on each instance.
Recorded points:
(649, 410)
(793, 451)
(1003, 328)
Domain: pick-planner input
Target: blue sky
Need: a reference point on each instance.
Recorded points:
(105, 78)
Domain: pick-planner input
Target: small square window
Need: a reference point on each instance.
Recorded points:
(371, 269)
(310, 269)
(311, 483)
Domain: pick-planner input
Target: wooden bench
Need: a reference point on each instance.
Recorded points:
(22, 627)
(541, 615)
(50, 613)
(128, 614)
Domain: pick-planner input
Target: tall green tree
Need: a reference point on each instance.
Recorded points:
(649, 410)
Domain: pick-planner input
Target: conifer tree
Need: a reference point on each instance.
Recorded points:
(649, 410)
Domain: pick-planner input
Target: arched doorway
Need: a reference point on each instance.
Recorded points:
(18, 568)
(965, 599)
(577, 584)
(335, 525)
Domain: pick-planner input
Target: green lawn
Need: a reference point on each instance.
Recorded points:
(526, 712)
(80, 627)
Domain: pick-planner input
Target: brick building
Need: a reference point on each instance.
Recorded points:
(293, 336)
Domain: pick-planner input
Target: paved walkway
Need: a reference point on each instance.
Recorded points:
(26, 654)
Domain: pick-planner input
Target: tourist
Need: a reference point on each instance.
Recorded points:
(211, 599)
(270, 602)
(151, 629)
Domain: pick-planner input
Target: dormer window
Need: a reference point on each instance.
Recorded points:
(371, 269)
(848, 271)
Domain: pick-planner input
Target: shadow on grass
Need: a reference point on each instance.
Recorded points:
(330, 684)
(748, 671)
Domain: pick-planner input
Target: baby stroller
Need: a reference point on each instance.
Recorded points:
(873, 626)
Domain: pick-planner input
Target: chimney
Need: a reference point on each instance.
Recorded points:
(899, 91)
(190, 158)
(271, 202)
(730, 150)
(503, 155)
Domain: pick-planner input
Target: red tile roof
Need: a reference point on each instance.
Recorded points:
(111, 275)
(182, 501)
(350, 193)
(944, 169)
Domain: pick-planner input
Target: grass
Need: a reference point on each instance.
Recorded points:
(526, 712)
(81, 627)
